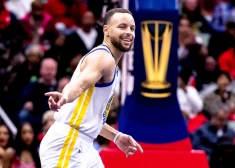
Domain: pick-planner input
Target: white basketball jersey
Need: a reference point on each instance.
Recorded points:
(89, 112)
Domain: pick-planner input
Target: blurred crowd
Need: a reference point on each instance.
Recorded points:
(42, 41)
(206, 81)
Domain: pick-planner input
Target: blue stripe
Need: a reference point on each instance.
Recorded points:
(107, 48)
(96, 50)
(107, 84)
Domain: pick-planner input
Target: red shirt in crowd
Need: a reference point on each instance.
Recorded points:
(70, 16)
(227, 62)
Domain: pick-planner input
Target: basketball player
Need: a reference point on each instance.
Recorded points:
(84, 104)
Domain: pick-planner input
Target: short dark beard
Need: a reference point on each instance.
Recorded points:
(119, 46)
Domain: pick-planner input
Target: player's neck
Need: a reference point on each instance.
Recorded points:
(117, 54)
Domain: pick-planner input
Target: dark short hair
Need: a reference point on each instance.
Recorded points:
(221, 73)
(111, 12)
(37, 5)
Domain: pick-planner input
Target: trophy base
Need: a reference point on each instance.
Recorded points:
(155, 89)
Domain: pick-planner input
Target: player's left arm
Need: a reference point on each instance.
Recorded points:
(124, 142)
(108, 132)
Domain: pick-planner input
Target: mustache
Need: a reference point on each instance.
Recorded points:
(127, 36)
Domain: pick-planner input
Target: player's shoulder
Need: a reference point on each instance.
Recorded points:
(102, 57)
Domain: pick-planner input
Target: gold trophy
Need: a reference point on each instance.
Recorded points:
(156, 65)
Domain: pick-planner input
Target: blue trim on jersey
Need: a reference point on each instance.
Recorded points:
(117, 72)
(96, 50)
(107, 84)
(107, 48)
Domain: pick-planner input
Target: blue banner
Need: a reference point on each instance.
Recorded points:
(151, 113)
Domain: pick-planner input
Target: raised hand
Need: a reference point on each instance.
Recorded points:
(56, 100)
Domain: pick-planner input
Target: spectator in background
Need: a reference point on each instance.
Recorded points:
(100, 7)
(207, 74)
(10, 44)
(62, 83)
(207, 136)
(186, 37)
(222, 41)
(56, 52)
(12, 60)
(29, 71)
(68, 12)
(222, 12)
(192, 10)
(10, 34)
(189, 100)
(207, 8)
(26, 148)
(220, 97)
(226, 61)
(36, 23)
(191, 52)
(83, 39)
(19, 7)
(10, 28)
(34, 101)
(19, 78)
(88, 33)
(223, 155)
(73, 64)
(96, 6)
(47, 121)
(6, 149)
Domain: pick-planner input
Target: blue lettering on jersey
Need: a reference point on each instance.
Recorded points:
(104, 117)
(108, 106)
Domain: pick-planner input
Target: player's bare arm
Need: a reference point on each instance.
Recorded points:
(124, 142)
(96, 66)
(108, 132)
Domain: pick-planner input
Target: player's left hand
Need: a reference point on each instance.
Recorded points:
(128, 145)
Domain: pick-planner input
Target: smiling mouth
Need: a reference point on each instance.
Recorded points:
(127, 40)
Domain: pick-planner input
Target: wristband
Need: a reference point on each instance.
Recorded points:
(116, 136)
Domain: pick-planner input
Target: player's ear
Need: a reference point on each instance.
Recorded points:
(105, 30)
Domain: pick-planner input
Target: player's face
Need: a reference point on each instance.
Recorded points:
(122, 31)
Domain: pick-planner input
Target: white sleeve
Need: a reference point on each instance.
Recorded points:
(194, 99)
(183, 102)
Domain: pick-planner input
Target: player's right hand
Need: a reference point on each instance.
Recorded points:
(56, 100)
(128, 145)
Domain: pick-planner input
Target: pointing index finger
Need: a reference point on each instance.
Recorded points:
(49, 94)
(139, 147)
